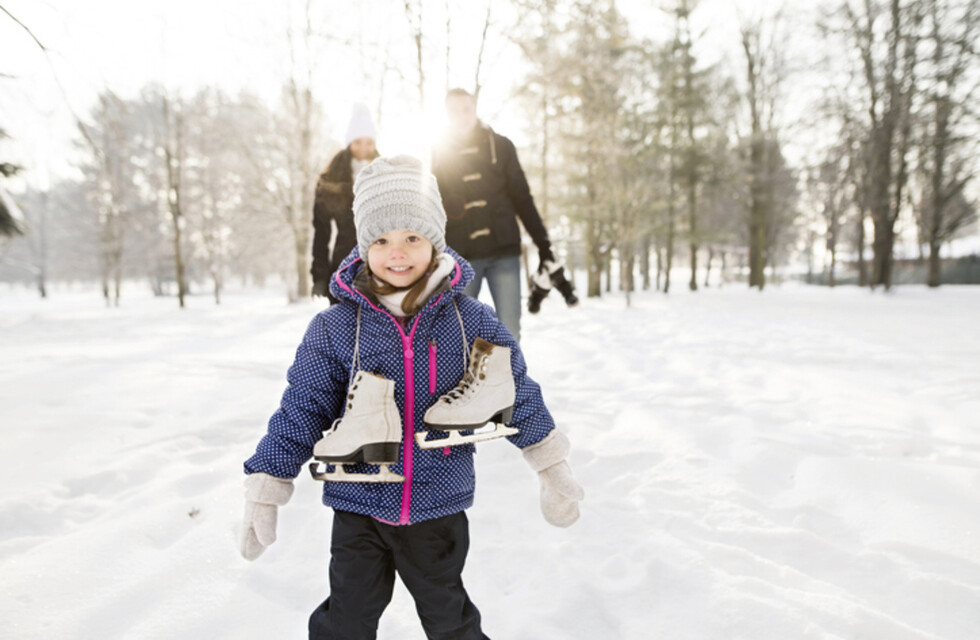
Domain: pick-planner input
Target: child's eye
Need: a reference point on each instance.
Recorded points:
(413, 238)
(381, 241)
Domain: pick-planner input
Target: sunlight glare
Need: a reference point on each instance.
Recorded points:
(412, 132)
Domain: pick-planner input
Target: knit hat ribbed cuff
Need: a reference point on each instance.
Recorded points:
(398, 193)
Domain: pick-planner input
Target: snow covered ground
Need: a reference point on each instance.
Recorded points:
(800, 463)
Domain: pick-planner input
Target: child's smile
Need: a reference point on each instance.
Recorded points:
(400, 257)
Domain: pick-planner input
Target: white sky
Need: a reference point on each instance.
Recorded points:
(125, 45)
(187, 44)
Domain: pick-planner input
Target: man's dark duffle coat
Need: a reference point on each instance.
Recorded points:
(484, 191)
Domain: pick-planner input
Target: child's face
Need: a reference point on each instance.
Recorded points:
(400, 257)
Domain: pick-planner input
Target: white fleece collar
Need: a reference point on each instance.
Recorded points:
(393, 301)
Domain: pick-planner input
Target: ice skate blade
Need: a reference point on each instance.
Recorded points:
(385, 474)
(456, 438)
(502, 417)
(374, 453)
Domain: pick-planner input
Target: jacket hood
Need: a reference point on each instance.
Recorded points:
(342, 282)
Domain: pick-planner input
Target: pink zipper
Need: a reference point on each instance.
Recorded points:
(409, 439)
(432, 366)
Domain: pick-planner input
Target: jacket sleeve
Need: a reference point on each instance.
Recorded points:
(520, 195)
(531, 418)
(313, 399)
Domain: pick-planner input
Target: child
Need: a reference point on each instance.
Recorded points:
(401, 318)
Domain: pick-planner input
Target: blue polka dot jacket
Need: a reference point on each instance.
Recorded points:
(424, 356)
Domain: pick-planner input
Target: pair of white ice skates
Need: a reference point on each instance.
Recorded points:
(370, 430)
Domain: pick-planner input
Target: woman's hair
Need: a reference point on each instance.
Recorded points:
(410, 303)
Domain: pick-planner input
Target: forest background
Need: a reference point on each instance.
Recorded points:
(710, 141)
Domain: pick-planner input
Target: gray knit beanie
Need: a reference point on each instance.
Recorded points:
(395, 193)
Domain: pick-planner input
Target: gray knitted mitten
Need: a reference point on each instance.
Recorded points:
(560, 494)
(264, 494)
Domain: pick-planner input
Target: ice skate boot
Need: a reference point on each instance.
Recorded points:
(369, 431)
(558, 279)
(485, 394)
(540, 285)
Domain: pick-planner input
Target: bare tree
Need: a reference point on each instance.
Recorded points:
(285, 155)
(477, 80)
(174, 157)
(830, 186)
(690, 96)
(107, 140)
(948, 153)
(888, 56)
(765, 71)
(413, 15)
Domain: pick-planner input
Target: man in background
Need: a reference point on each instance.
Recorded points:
(484, 192)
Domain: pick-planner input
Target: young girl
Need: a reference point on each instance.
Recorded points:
(401, 319)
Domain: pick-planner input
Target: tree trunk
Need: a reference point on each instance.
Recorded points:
(627, 263)
(607, 267)
(692, 217)
(593, 250)
(862, 264)
(757, 260)
(660, 268)
(707, 267)
(935, 270)
(173, 155)
(757, 212)
(645, 261)
(669, 260)
(882, 246)
(832, 276)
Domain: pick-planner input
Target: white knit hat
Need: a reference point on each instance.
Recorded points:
(360, 125)
(398, 193)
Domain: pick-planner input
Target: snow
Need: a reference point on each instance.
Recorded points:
(796, 463)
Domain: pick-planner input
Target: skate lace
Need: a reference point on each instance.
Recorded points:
(350, 398)
(333, 427)
(468, 383)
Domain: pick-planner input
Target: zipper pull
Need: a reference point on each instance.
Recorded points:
(432, 366)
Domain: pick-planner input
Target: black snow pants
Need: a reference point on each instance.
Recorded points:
(428, 557)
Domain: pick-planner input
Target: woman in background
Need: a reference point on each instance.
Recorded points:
(333, 216)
